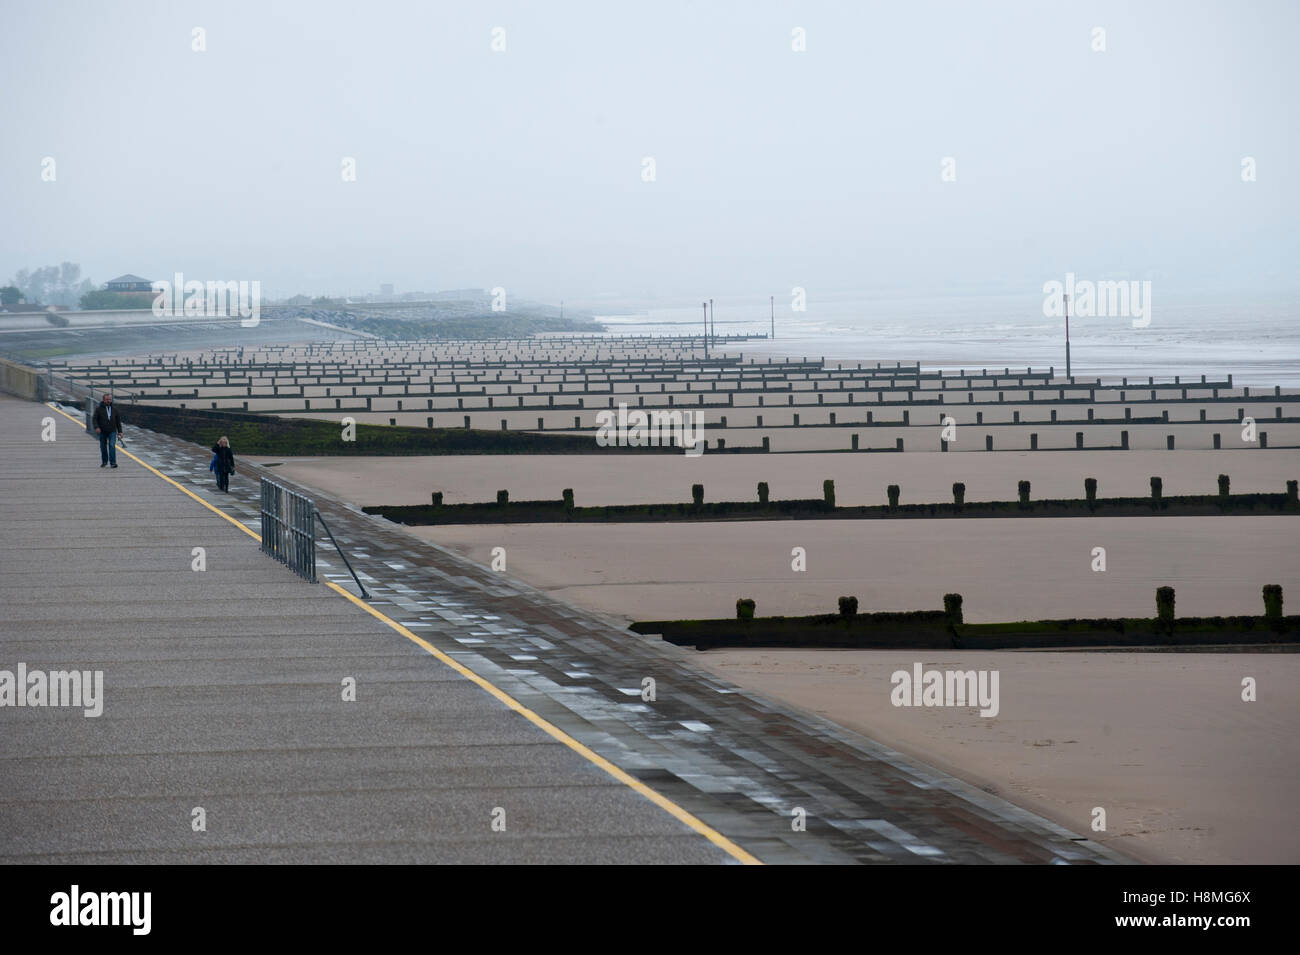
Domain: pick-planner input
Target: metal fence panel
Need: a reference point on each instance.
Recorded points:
(289, 528)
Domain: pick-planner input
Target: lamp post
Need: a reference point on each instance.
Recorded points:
(705, 306)
(1067, 337)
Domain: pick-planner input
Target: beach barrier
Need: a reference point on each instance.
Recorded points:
(288, 520)
(548, 382)
(288, 529)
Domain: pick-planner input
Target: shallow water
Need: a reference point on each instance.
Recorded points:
(1255, 339)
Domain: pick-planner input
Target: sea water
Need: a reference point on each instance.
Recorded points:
(1253, 337)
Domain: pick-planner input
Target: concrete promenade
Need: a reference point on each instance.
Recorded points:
(223, 690)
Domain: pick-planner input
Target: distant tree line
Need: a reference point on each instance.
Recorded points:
(64, 286)
(99, 298)
(49, 285)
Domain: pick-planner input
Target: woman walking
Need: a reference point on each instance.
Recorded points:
(223, 463)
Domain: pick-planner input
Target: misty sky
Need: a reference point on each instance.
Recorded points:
(774, 168)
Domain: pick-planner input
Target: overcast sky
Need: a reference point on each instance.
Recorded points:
(773, 168)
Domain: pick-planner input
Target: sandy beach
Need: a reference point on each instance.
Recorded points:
(600, 479)
(922, 434)
(1186, 771)
(1011, 569)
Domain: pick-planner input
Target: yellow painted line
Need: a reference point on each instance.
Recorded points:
(660, 800)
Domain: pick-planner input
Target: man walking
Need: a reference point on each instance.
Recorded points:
(108, 425)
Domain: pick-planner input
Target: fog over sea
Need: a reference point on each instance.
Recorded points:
(1254, 337)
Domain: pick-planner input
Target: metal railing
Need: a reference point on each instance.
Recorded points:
(289, 531)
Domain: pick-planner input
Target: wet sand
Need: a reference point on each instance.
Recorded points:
(881, 436)
(1006, 569)
(1186, 771)
(600, 479)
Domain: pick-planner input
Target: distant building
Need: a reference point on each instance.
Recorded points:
(128, 283)
(386, 289)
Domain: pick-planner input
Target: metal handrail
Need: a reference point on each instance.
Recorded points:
(320, 517)
(289, 531)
